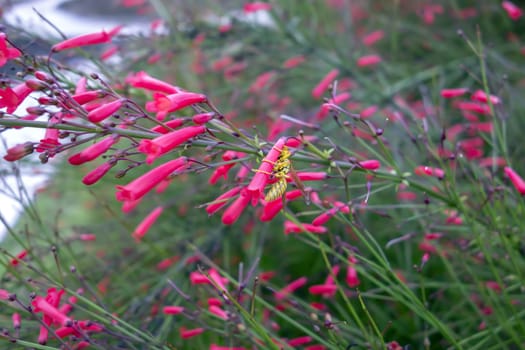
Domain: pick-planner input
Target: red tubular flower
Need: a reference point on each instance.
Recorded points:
(190, 333)
(312, 175)
(291, 287)
(140, 186)
(50, 140)
(293, 62)
(234, 211)
(490, 161)
(324, 217)
(82, 40)
(368, 112)
(218, 347)
(321, 87)
(217, 311)
(166, 263)
(221, 201)
(167, 142)
(145, 81)
(146, 224)
(271, 209)
(322, 289)
(4, 294)
(17, 320)
(19, 151)
(129, 206)
(40, 304)
(516, 180)
(290, 227)
(262, 81)
(111, 51)
(104, 111)
(164, 104)
(87, 96)
(371, 164)
(42, 335)
(96, 174)
(481, 96)
(513, 11)
(369, 60)
(373, 37)
(173, 124)
(473, 107)
(7, 53)
(351, 277)
(11, 98)
(299, 341)
(260, 179)
(172, 310)
(94, 151)
(429, 171)
(451, 93)
(256, 6)
(20, 256)
(202, 118)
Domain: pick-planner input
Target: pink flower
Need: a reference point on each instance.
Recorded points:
(173, 124)
(217, 311)
(20, 256)
(11, 98)
(513, 11)
(145, 81)
(7, 53)
(371, 164)
(473, 107)
(87, 96)
(140, 186)
(261, 177)
(190, 333)
(256, 6)
(481, 96)
(202, 118)
(369, 60)
(429, 171)
(450, 93)
(83, 40)
(293, 62)
(146, 224)
(351, 277)
(164, 104)
(324, 217)
(291, 227)
(96, 174)
(4, 294)
(373, 37)
(299, 341)
(322, 289)
(323, 85)
(172, 310)
(221, 201)
(262, 81)
(111, 51)
(40, 304)
(368, 112)
(94, 151)
(291, 287)
(17, 320)
(516, 180)
(106, 110)
(19, 151)
(50, 140)
(234, 211)
(167, 142)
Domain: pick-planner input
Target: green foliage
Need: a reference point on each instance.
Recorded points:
(468, 295)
